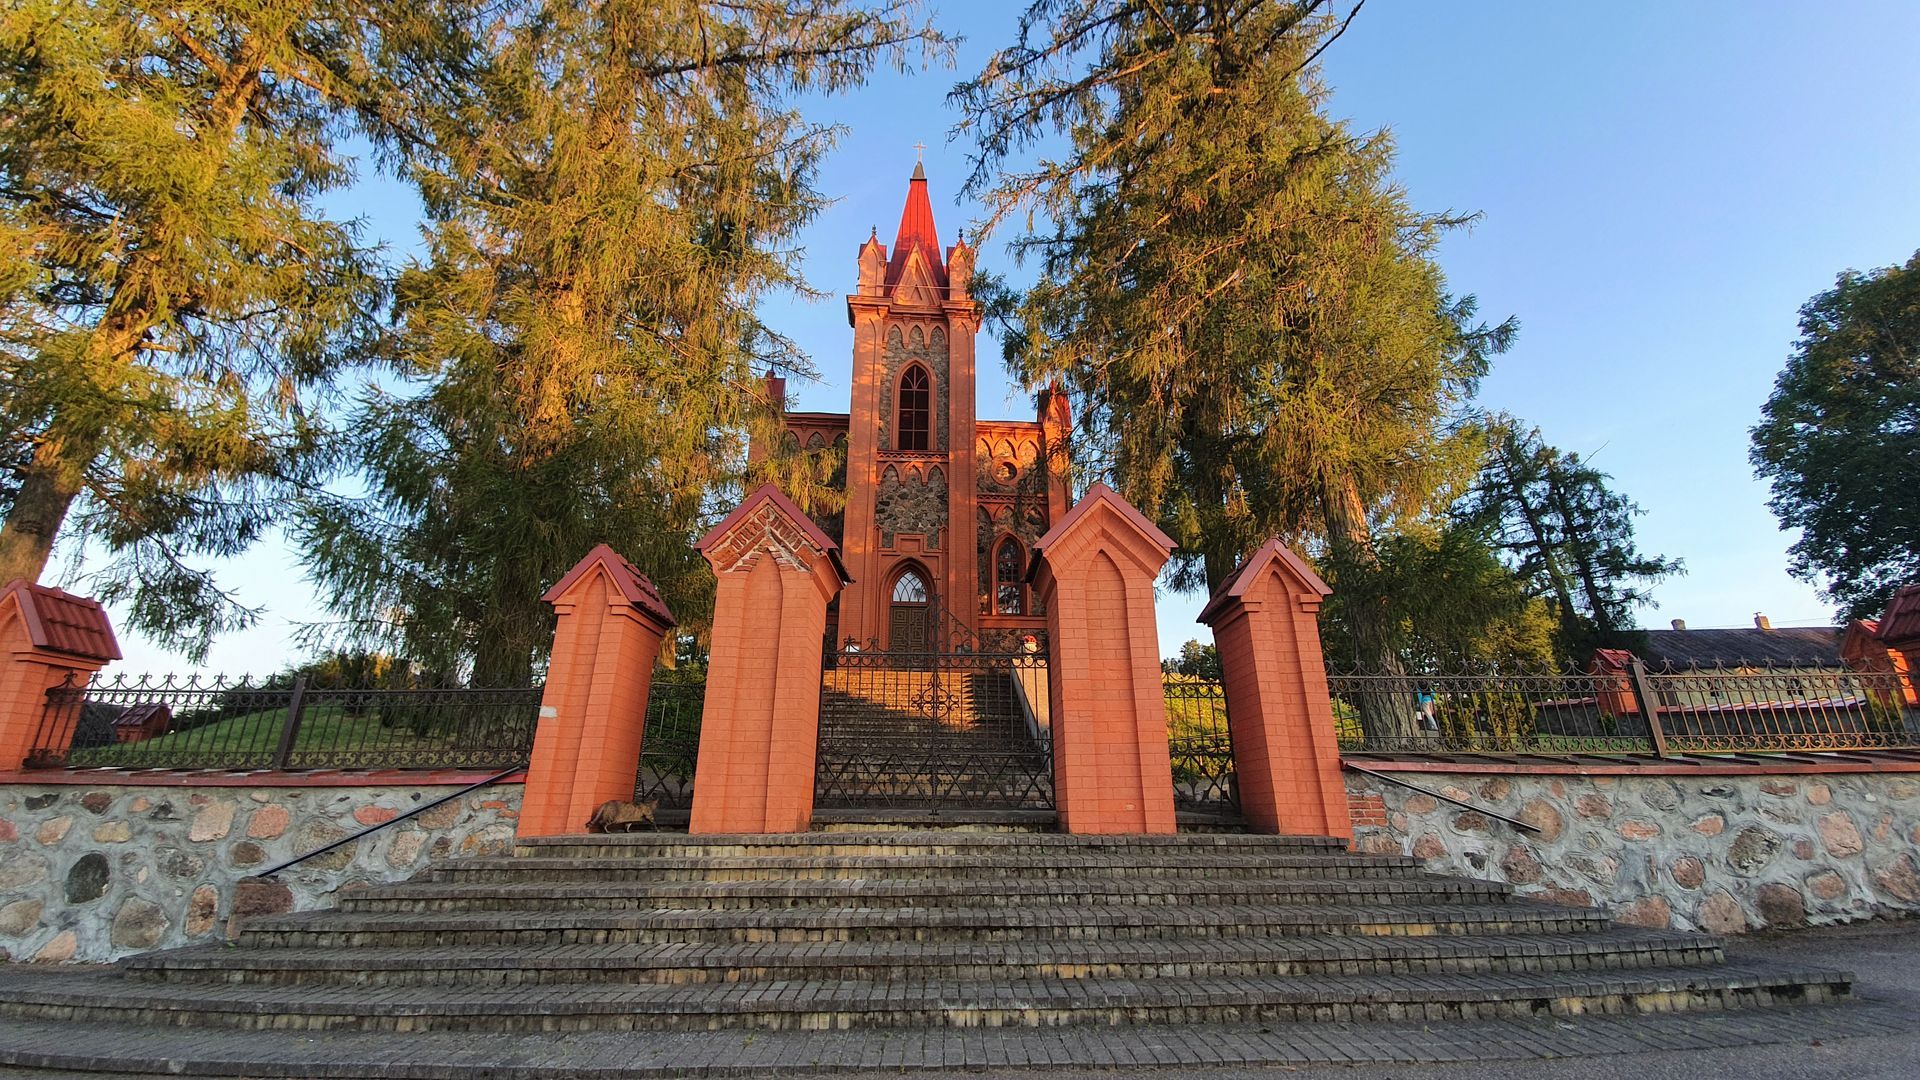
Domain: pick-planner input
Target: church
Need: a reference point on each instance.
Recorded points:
(942, 507)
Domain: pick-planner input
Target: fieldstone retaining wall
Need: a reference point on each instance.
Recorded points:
(96, 873)
(1720, 853)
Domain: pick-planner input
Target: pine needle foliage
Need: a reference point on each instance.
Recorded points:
(1243, 302)
(173, 301)
(1567, 534)
(576, 353)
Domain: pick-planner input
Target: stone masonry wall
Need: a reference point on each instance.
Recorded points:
(1720, 853)
(96, 873)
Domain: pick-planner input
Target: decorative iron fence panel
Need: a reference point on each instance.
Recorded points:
(1633, 711)
(1706, 711)
(670, 746)
(929, 730)
(1200, 744)
(210, 722)
(1486, 713)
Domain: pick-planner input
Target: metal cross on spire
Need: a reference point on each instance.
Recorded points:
(919, 152)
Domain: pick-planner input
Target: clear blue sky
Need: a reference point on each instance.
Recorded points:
(1662, 186)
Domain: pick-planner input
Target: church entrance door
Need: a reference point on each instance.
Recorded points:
(909, 618)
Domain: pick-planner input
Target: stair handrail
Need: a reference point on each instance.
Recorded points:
(1391, 779)
(395, 820)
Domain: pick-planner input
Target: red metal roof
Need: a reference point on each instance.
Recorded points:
(917, 233)
(1901, 624)
(626, 578)
(62, 622)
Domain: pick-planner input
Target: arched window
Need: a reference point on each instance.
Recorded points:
(916, 410)
(1008, 567)
(910, 589)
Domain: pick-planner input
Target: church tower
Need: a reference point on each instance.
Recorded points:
(942, 508)
(910, 439)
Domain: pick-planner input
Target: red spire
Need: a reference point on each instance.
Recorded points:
(917, 233)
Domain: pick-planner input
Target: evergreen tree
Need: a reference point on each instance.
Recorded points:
(1451, 605)
(1839, 440)
(1567, 534)
(173, 302)
(1245, 305)
(580, 341)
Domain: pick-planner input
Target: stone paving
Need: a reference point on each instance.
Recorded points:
(430, 1056)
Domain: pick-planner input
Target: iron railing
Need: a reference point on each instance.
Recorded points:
(210, 722)
(670, 745)
(1628, 711)
(1200, 744)
(929, 730)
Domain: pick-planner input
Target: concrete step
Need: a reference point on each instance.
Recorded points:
(833, 1004)
(1005, 868)
(1034, 900)
(919, 961)
(654, 926)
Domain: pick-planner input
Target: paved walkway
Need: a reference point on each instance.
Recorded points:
(1874, 1038)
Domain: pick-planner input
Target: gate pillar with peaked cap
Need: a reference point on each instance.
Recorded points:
(48, 638)
(1286, 757)
(593, 712)
(775, 574)
(1095, 570)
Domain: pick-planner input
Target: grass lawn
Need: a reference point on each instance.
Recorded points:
(255, 736)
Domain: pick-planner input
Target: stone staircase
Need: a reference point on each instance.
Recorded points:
(654, 932)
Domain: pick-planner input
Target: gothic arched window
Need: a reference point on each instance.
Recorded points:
(916, 410)
(1007, 572)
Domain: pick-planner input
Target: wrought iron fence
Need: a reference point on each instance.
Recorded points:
(670, 745)
(1200, 744)
(210, 722)
(1704, 711)
(1628, 711)
(931, 730)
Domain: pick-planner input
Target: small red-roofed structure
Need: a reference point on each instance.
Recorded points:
(1094, 571)
(593, 710)
(1286, 757)
(50, 639)
(775, 574)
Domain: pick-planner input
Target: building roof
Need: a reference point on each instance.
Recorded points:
(1786, 646)
(626, 578)
(917, 233)
(1901, 622)
(62, 622)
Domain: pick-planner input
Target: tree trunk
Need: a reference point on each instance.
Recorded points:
(52, 482)
(1388, 703)
(1598, 609)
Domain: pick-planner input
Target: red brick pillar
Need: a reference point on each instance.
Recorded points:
(775, 572)
(48, 638)
(1286, 756)
(1095, 571)
(586, 749)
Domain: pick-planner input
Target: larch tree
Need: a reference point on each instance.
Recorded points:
(1244, 304)
(577, 351)
(1839, 439)
(174, 299)
(1567, 533)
